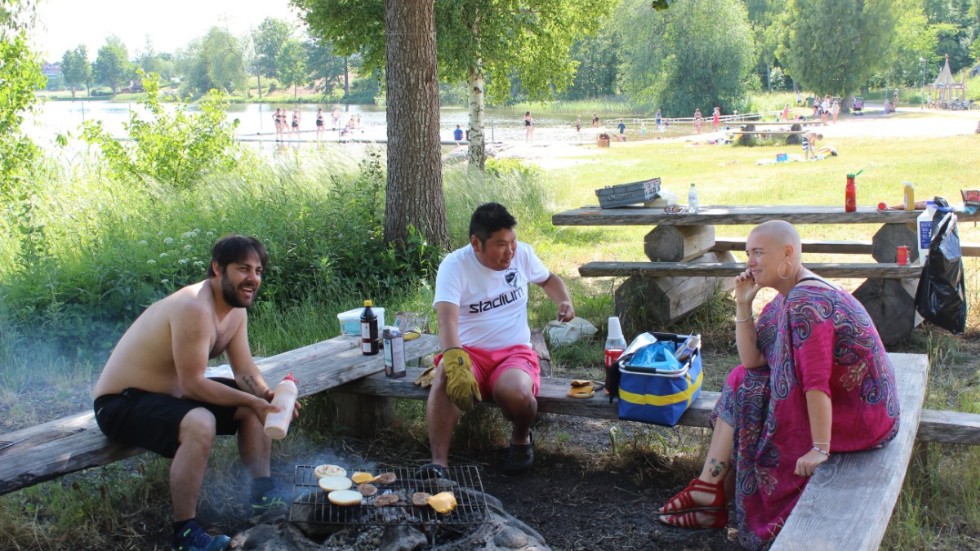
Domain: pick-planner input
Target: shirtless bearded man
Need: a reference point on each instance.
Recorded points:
(153, 394)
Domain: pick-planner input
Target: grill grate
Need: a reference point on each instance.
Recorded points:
(310, 503)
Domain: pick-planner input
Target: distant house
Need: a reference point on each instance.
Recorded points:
(52, 71)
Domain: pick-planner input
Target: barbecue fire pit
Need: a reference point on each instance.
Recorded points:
(313, 513)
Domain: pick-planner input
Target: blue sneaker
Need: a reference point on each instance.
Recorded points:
(268, 495)
(193, 538)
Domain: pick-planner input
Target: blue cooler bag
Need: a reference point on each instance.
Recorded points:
(656, 388)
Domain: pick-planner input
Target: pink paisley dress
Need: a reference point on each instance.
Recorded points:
(814, 339)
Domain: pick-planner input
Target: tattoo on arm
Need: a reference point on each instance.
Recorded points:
(718, 468)
(249, 381)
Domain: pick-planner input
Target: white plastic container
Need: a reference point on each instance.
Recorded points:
(350, 321)
(277, 423)
(923, 225)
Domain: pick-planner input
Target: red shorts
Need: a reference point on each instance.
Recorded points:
(489, 365)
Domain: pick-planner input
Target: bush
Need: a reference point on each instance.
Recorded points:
(177, 149)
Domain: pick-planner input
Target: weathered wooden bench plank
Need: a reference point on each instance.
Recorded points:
(880, 270)
(719, 215)
(827, 247)
(934, 426)
(849, 500)
(75, 442)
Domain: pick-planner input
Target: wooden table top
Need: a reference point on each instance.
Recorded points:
(740, 215)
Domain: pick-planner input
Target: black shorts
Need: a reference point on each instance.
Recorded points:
(151, 421)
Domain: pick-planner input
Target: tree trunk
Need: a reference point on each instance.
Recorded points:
(258, 77)
(477, 152)
(475, 86)
(414, 196)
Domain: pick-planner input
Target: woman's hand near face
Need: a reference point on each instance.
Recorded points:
(745, 288)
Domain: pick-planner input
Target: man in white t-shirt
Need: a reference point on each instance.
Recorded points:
(481, 301)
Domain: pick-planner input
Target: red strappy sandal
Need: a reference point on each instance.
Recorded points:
(681, 510)
(690, 519)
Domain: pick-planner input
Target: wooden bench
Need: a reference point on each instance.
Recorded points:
(73, 443)
(829, 247)
(689, 265)
(731, 269)
(863, 485)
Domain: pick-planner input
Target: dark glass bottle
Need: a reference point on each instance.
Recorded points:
(369, 330)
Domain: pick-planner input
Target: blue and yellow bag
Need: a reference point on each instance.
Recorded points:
(656, 388)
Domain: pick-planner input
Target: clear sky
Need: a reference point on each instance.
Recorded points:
(168, 24)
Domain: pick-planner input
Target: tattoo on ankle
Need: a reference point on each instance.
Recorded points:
(717, 468)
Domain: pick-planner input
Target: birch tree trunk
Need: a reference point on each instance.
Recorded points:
(475, 86)
(414, 196)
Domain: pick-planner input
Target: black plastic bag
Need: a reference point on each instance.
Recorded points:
(941, 295)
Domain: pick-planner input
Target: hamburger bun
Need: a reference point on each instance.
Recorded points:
(329, 470)
(361, 477)
(333, 483)
(581, 389)
(344, 498)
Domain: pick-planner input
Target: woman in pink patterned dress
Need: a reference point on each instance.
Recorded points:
(815, 380)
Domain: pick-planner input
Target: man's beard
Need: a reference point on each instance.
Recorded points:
(230, 294)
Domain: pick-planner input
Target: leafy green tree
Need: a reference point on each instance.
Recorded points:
(112, 63)
(597, 61)
(325, 67)
(915, 52)
(485, 43)
(214, 62)
(682, 58)
(76, 69)
(268, 41)
(765, 20)
(833, 46)
(292, 65)
(20, 73)
(173, 147)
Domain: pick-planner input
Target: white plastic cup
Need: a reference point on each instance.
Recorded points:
(615, 330)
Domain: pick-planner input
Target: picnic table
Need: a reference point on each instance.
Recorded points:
(688, 264)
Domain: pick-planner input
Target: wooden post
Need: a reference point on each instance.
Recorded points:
(359, 415)
(678, 243)
(891, 307)
(644, 303)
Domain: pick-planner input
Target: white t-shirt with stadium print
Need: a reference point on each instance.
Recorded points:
(492, 303)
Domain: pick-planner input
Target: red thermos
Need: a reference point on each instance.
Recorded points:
(850, 195)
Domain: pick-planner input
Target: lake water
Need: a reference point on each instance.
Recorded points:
(256, 126)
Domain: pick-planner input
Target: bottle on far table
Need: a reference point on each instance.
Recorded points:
(692, 199)
(850, 195)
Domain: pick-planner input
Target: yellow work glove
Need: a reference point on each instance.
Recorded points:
(460, 384)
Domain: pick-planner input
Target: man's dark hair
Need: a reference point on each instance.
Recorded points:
(236, 248)
(489, 218)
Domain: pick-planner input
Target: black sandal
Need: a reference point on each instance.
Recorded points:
(432, 470)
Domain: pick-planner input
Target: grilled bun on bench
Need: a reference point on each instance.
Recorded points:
(581, 388)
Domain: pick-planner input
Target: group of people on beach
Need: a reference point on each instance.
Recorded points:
(290, 126)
